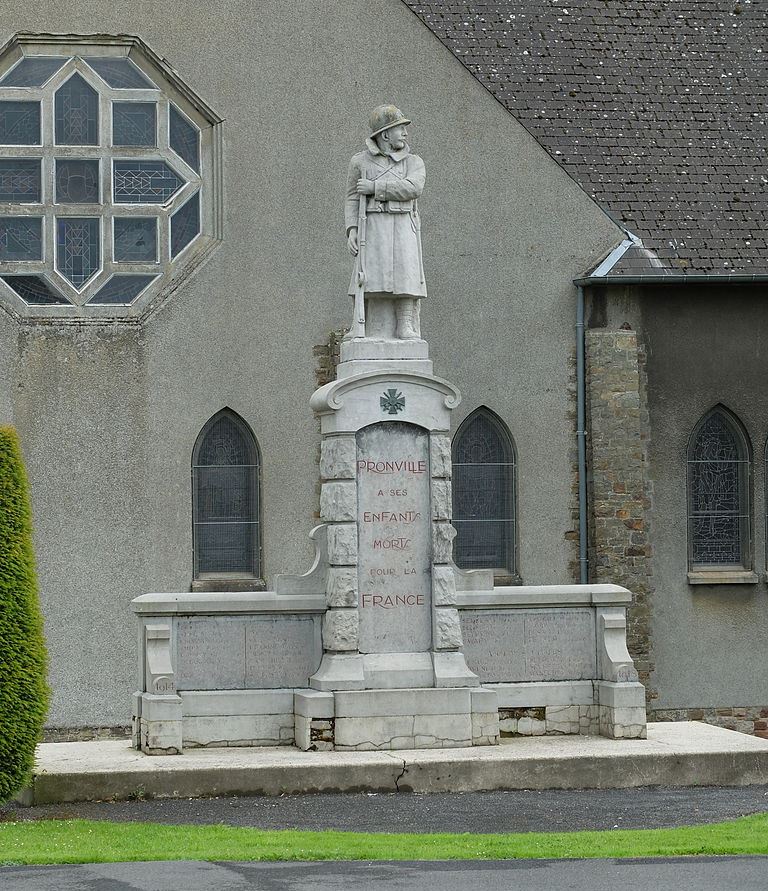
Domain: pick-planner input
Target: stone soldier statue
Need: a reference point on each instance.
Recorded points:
(389, 266)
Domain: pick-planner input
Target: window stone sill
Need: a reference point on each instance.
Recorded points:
(722, 577)
(217, 584)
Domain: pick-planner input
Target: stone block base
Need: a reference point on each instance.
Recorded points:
(421, 718)
(237, 718)
(622, 710)
(574, 719)
(238, 730)
(550, 720)
(164, 725)
(587, 708)
(157, 724)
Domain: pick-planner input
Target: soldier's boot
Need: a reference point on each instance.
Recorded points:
(407, 319)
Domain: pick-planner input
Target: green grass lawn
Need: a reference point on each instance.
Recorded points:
(87, 841)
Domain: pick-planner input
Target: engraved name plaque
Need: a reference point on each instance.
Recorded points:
(394, 543)
(530, 645)
(242, 652)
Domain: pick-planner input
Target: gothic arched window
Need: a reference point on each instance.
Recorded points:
(484, 494)
(225, 499)
(718, 493)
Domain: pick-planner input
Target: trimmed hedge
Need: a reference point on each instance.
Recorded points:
(23, 689)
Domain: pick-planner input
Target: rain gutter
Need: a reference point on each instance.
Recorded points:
(674, 278)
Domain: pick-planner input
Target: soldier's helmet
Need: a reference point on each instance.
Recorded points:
(385, 116)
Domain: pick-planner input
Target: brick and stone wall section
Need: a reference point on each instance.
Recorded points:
(571, 537)
(747, 719)
(326, 357)
(85, 733)
(618, 486)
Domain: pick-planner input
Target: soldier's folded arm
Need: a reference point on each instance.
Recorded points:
(411, 186)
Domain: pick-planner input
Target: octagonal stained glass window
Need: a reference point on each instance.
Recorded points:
(106, 176)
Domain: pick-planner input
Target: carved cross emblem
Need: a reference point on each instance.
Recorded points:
(392, 402)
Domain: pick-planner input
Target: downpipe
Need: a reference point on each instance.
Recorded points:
(581, 436)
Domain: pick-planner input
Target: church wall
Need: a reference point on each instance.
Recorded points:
(80, 410)
(109, 414)
(8, 334)
(704, 346)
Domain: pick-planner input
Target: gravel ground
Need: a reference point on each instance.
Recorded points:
(518, 811)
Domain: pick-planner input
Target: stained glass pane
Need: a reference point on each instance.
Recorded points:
(185, 224)
(33, 71)
(21, 238)
(77, 113)
(226, 501)
(184, 138)
(717, 493)
(120, 73)
(34, 290)
(225, 445)
(135, 239)
(20, 180)
(144, 182)
(483, 495)
(121, 290)
(134, 123)
(77, 182)
(19, 123)
(716, 540)
(78, 253)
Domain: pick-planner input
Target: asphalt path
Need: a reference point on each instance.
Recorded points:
(701, 873)
(516, 811)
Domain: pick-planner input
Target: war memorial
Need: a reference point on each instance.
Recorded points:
(384, 643)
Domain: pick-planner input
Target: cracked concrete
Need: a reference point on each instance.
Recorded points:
(402, 774)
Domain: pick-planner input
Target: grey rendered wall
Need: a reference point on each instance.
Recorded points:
(8, 334)
(110, 417)
(704, 346)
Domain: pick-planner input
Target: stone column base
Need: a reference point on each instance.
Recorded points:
(622, 710)
(392, 671)
(159, 724)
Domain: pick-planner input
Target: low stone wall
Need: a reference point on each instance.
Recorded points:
(85, 733)
(556, 657)
(222, 669)
(234, 670)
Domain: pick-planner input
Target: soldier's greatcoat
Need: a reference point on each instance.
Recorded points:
(392, 263)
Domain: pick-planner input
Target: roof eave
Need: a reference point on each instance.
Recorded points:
(672, 279)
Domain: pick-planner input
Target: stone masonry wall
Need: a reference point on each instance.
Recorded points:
(571, 537)
(327, 356)
(618, 486)
(85, 734)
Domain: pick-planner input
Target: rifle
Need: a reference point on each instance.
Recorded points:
(358, 320)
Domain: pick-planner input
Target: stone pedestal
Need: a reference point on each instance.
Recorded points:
(393, 671)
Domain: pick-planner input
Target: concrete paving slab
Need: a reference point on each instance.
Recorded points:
(675, 754)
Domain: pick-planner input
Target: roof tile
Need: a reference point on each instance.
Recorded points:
(657, 110)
